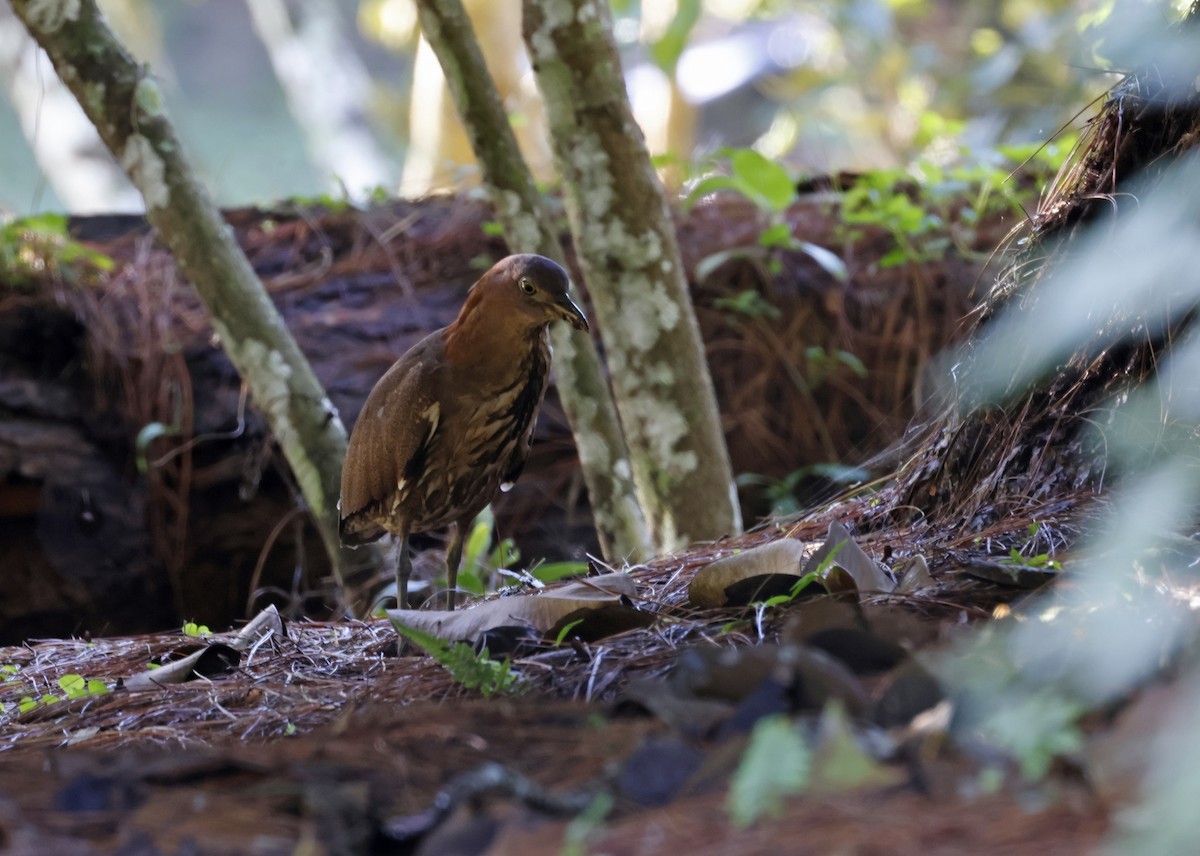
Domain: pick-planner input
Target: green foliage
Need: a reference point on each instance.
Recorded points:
(780, 493)
(1017, 556)
(76, 686)
(474, 671)
(749, 303)
(566, 631)
(820, 365)
(775, 765)
(551, 572)
(1036, 728)
(481, 559)
(764, 182)
(328, 202)
(803, 582)
(883, 65)
(884, 199)
(770, 187)
(939, 201)
(1041, 560)
(28, 703)
(586, 824)
(196, 630)
(1007, 704)
(31, 247)
(73, 687)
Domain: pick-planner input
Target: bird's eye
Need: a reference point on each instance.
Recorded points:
(527, 286)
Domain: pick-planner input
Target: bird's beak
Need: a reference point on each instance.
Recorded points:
(566, 309)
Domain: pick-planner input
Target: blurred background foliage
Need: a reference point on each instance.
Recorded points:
(307, 98)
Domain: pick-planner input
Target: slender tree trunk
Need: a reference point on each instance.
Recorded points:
(439, 146)
(628, 250)
(528, 227)
(126, 106)
(327, 87)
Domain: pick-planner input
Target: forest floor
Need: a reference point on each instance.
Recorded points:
(328, 737)
(631, 734)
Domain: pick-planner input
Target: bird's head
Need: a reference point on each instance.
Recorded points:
(533, 288)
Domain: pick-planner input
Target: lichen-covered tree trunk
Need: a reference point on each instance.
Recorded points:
(126, 106)
(630, 257)
(528, 228)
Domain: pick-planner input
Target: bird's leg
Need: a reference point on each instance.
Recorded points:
(454, 558)
(403, 570)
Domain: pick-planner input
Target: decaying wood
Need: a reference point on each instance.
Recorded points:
(86, 366)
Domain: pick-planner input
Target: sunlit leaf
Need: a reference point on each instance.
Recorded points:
(766, 179)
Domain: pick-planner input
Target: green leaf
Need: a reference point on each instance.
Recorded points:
(480, 538)
(562, 634)
(854, 363)
(551, 572)
(838, 473)
(800, 585)
(473, 671)
(492, 229)
(779, 235)
(839, 763)
(766, 179)
(73, 685)
(1036, 727)
(775, 765)
(749, 303)
(712, 184)
(52, 225)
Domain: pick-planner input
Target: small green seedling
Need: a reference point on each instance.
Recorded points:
(471, 670)
(76, 686)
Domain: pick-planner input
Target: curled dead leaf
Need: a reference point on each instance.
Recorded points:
(867, 576)
(542, 611)
(709, 587)
(209, 662)
(914, 575)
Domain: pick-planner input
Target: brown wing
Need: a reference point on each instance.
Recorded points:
(390, 440)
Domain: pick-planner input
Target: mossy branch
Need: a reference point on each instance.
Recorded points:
(529, 228)
(126, 105)
(626, 244)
